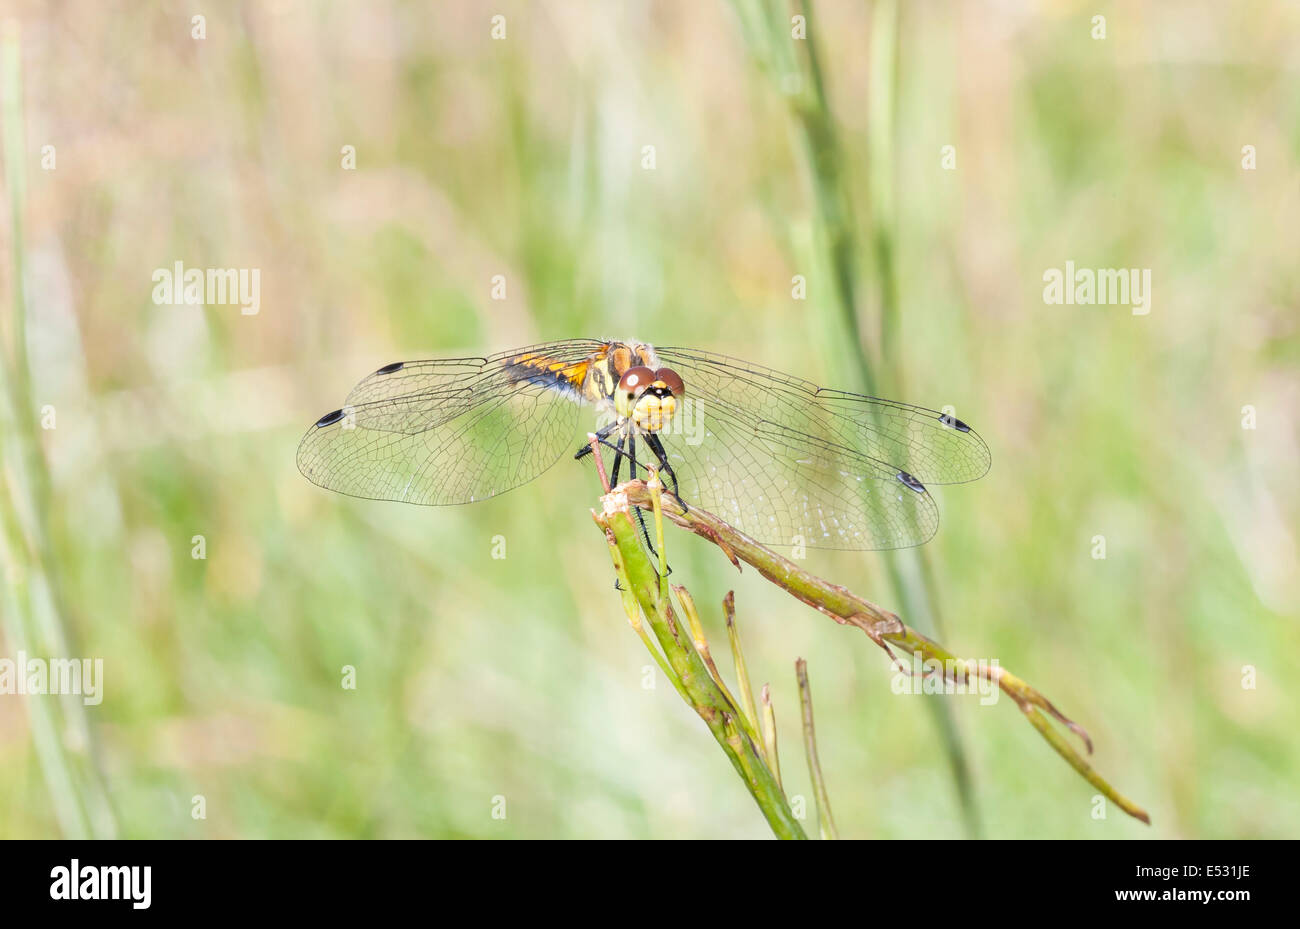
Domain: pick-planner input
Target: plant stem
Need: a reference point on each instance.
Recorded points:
(702, 646)
(880, 625)
(824, 819)
(769, 732)
(698, 686)
(738, 656)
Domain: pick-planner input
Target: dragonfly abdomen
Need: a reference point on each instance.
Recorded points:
(563, 377)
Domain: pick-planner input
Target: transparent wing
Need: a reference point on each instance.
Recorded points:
(786, 487)
(447, 431)
(933, 448)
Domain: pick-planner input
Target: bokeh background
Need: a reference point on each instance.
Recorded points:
(482, 678)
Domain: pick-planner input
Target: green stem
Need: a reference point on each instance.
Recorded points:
(880, 625)
(769, 733)
(738, 658)
(697, 684)
(824, 818)
(701, 643)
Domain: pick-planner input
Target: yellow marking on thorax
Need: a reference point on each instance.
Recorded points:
(607, 367)
(598, 387)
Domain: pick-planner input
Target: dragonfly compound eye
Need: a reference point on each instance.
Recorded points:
(635, 380)
(672, 380)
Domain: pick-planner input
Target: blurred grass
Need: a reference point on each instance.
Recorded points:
(523, 158)
(854, 357)
(31, 592)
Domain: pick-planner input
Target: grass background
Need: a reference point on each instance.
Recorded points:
(518, 678)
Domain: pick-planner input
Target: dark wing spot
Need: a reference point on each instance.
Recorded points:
(389, 369)
(952, 422)
(910, 482)
(329, 419)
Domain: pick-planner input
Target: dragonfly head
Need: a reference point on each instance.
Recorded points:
(648, 398)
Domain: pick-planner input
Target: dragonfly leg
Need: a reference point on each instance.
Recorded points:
(640, 513)
(601, 434)
(626, 448)
(645, 535)
(658, 448)
(641, 517)
(619, 455)
(631, 453)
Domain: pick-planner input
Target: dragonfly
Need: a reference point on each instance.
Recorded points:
(779, 458)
